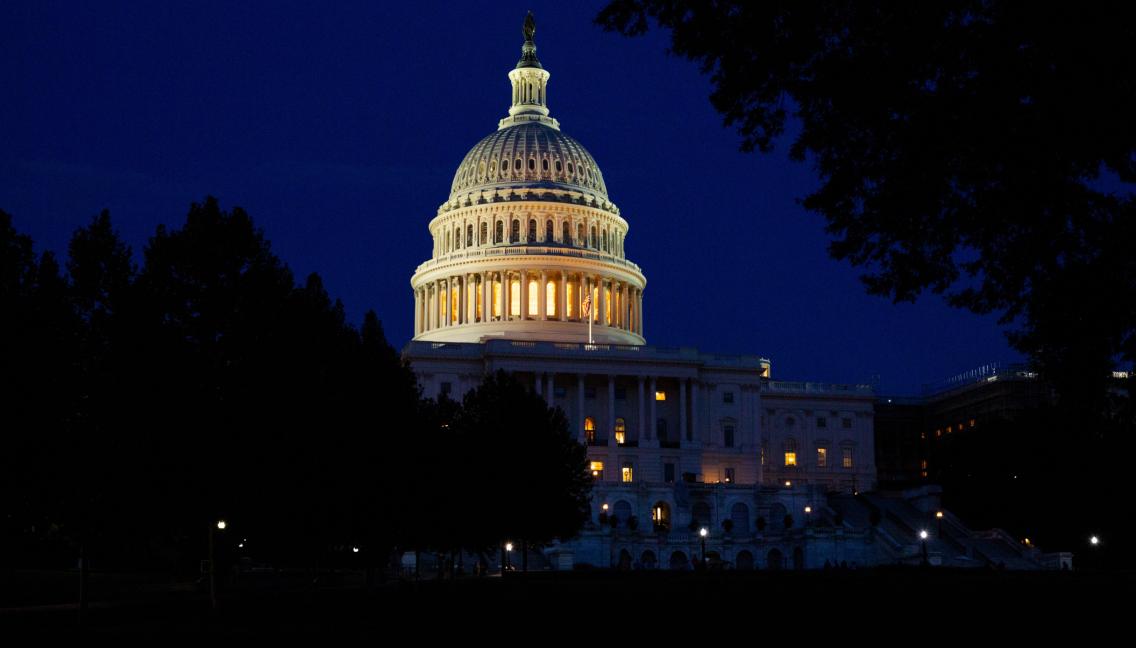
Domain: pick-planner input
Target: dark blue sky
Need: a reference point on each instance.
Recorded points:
(339, 127)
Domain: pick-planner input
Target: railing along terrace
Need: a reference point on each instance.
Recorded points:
(506, 250)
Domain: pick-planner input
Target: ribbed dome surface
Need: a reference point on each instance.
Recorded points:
(528, 155)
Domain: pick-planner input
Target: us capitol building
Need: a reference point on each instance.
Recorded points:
(526, 249)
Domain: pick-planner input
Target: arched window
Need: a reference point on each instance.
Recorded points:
(534, 298)
(590, 430)
(661, 516)
(580, 235)
(605, 241)
(622, 511)
(544, 165)
(559, 167)
(504, 166)
(679, 562)
(773, 560)
(468, 235)
(566, 234)
(517, 164)
(571, 290)
(499, 232)
(743, 561)
(532, 229)
(550, 298)
(515, 297)
(592, 243)
(483, 233)
(532, 164)
(515, 232)
(457, 237)
(700, 514)
(549, 230)
(447, 241)
(739, 514)
(570, 171)
(620, 431)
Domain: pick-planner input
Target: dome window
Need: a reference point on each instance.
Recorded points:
(559, 167)
(548, 228)
(517, 164)
(532, 164)
(504, 165)
(570, 171)
(544, 165)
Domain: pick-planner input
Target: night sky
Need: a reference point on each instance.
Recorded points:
(338, 127)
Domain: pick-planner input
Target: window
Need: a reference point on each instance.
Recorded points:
(728, 436)
(669, 473)
(468, 235)
(559, 392)
(580, 235)
(791, 452)
(592, 243)
(550, 298)
(534, 297)
(822, 422)
(532, 164)
(590, 430)
(661, 429)
(570, 169)
(661, 515)
(548, 228)
(483, 235)
(627, 473)
(532, 228)
(597, 469)
(504, 165)
(727, 397)
(499, 232)
(822, 457)
(846, 423)
(565, 234)
(517, 164)
(544, 165)
(847, 459)
(660, 395)
(729, 476)
(620, 431)
(515, 232)
(559, 167)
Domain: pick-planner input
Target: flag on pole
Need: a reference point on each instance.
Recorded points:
(587, 308)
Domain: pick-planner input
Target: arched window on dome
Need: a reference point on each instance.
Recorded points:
(559, 166)
(566, 233)
(447, 241)
(580, 235)
(517, 164)
(544, 165)
(532, 230)
(499, 232)
(592, 243)
(605, 241)
(515, 232)
(468, 235)
(532, 164)
(481, 170)
(457, 237)
(570, 171)
(483, 233)
(504, 166)
(549, 230)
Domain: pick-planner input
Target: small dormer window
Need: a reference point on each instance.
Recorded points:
(544, 165)
(559, 167)
(517, 164)
(570, 170)
(532, 164)
(504, 165)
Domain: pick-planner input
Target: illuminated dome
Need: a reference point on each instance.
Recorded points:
(528, 246)
(530, 154)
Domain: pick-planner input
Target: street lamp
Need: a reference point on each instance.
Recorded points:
(702, 533)
(808, 515)
(1094, 540)
(219, 526)
(508, 558)
(923, 540)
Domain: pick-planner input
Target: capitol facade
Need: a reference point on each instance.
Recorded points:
(529, 272)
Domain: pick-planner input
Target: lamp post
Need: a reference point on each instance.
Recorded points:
(808, 516)
(508, 558)
(923, 541)
(213, 528)
(939, 519)
(702, 533)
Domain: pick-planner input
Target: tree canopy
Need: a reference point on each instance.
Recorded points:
(984, 150)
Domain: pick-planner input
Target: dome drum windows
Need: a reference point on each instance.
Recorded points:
(549, 230)
(515, 231)
(532, 231)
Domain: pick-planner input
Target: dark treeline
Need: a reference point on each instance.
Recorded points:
(141, 403)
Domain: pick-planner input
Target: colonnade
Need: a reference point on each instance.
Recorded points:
(508, 295)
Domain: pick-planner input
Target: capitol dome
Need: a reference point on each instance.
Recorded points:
(530, 154)
(528, 246)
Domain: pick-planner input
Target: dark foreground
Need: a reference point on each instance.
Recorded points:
(582, 603)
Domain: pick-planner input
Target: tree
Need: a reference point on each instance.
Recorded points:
(980, 150)
(527, 475)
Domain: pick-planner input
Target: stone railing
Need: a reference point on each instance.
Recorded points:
(797, 387)
(502, 251)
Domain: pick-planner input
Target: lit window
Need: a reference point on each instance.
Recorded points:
(550, 299)
(790, 458)
(971, 422)
(534, 297)
(729, 476)
(627, 472)
(515, 297)
(847, 460)
(938, 433)
(923, 464)
(590, 429)
(822, 457)
(597, 469)
(660, 395)
(620, 431)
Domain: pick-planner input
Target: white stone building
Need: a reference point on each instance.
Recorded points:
(526, 248)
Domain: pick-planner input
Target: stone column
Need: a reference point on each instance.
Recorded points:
(580, 407)
(580, 298)
(601, 301)
(653, 422)
(696, 433)
(436, 305)
(542, 296)
(417, 310)
(640, 313)
(611, 407)
(642, 418)
(683, 433)
(524, 294)
(625, 309)
(562, 297)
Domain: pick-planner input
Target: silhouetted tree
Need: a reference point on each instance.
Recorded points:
(984, 150)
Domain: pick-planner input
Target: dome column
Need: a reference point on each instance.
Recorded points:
(602, 299)
(562, 297)
(486, 291)
(542, 296)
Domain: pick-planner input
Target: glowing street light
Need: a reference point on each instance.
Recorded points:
(1094, 540)
(923, 534)
(221, 525)
(702, 533)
